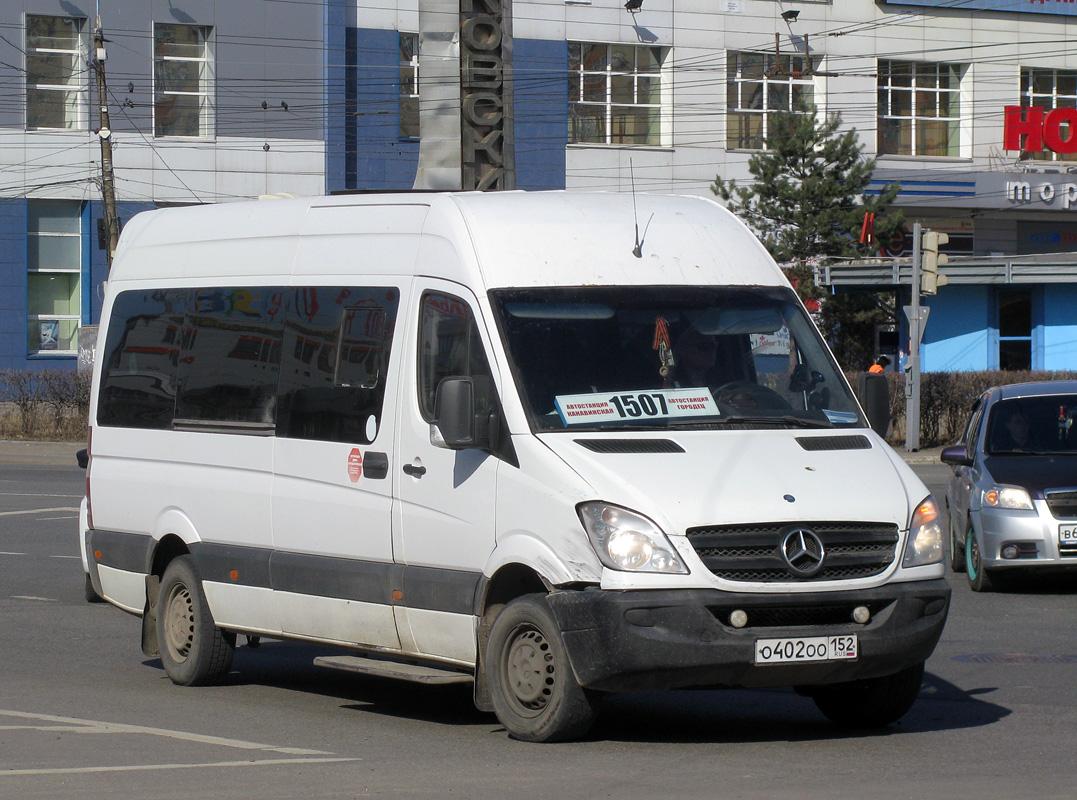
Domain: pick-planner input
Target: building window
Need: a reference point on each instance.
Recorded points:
(919, 109)
(615, 93)
(54, 279)
(409, 86)
(758, 86)
(55, 76)
(1014, 329)
(1049, 89)
(182, 81)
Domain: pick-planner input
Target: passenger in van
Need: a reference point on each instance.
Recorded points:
(723, 365)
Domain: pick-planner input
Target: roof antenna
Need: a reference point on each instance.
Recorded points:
(637, 251)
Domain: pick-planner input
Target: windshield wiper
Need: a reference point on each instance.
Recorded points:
(783, 419)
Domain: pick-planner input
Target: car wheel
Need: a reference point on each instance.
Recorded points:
(957, 555)
(978, 575)
(90, 593)
(194, 651)
(870, 703)
(532, 687)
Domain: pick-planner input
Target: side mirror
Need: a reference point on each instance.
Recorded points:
(82, 457)
(454, 409)
(874, 393)
(956, 455)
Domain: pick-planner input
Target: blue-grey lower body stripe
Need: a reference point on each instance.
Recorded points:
(451, 590)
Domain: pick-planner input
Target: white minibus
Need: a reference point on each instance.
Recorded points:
(554, 444)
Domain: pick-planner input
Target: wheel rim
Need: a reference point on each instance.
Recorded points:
(972, 557)
(178, 622)
(529, 671)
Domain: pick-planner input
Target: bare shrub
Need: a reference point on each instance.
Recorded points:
(23, 389)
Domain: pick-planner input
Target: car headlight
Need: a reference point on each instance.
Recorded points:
(925, 536)
(1000, 496)
(627, 541)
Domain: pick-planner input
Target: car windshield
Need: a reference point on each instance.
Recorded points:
(666, 357)
(1033, 425)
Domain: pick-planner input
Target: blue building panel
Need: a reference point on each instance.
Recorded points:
(1060, 328)
(540, 99)
(958, 332)
(13, 284)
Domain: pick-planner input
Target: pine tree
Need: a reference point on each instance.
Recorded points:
(807, 201)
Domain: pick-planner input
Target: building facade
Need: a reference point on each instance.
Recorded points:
(972, 108)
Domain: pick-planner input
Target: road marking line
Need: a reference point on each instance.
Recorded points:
(36, 511)
(77, 558)
(265, 762)
(4, 553)
(38, 494)
(31, 597)
(115, 727)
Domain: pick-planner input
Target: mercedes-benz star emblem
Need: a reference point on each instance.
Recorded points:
(803, 552)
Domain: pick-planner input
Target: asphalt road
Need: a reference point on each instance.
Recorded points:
(83, 714)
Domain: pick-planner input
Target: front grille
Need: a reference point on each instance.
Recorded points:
(754, 552)
(1062, 504)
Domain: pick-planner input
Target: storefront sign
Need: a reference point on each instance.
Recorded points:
(1032, 129)
(485, 100)
(1066, 8)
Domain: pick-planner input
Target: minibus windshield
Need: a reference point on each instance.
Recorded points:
(645, 357)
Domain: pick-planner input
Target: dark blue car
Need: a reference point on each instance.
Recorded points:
(1012, 497)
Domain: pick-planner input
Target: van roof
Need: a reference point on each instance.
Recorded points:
(518, 238)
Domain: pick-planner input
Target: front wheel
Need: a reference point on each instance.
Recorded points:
(870, 703)
(957, 555)
(979, 578)
(532, 687)
(194, 651)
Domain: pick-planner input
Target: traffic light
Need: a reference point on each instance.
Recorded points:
(930, 261)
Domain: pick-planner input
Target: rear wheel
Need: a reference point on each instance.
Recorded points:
(90, 593)
(532, 687)
(194, 651)
(979, 576)
(870, 703)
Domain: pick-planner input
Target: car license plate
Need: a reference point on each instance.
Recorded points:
(1067, 535)
(809, 648)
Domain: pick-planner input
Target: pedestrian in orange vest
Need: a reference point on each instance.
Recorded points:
(879, 366)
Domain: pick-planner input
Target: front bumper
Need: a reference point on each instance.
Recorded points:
(1034, 532)
(641, 640)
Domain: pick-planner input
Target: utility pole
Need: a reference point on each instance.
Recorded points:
(912, 367)
(104, 133)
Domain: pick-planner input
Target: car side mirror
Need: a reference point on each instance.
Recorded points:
(82, 457)
(956, 455)
(454, 414)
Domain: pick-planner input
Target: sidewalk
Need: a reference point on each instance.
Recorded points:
(63, 453)
(40, 453)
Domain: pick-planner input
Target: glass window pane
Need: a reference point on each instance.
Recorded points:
(932, 138)
(54, 216)
(409, 47)
(622, 58)
(57, 69)
(574, 56)
(752, 66)
(634, 125)
(648, 59)
(49, 108)
(407, 80)
(595, 56)
(53, 252)
(745, 131)
(1015, 355)
(594, 87)
(184, 41)
(1067, 84)
(1015, 313)
(927, 75)
(622, 89)
(900, 73)
(648, 90)
(949, 104)
(925, 104)
(53, 293)
(778, 97)
(1042, 81)
(409, 118)
(895, 137)
(49, 335)
(732, 96)
(803, 96)
(178, 76)
(752, 94)
(900, 103)
(178, 115)
(52, 33)
(587, 123)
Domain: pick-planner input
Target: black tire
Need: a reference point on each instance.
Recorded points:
(980, 578)
(870, 703)
(532, 687)
(194, 651)
(90, 593)
(957, 554)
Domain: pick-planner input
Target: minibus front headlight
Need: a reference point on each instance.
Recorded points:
(925, 536)
(627, 541)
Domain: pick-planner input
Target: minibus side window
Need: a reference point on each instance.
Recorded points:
(334, 360)
(230, 359)
(141, 353)
(450, 346)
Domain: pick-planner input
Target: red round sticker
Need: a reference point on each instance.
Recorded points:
(355, 465)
